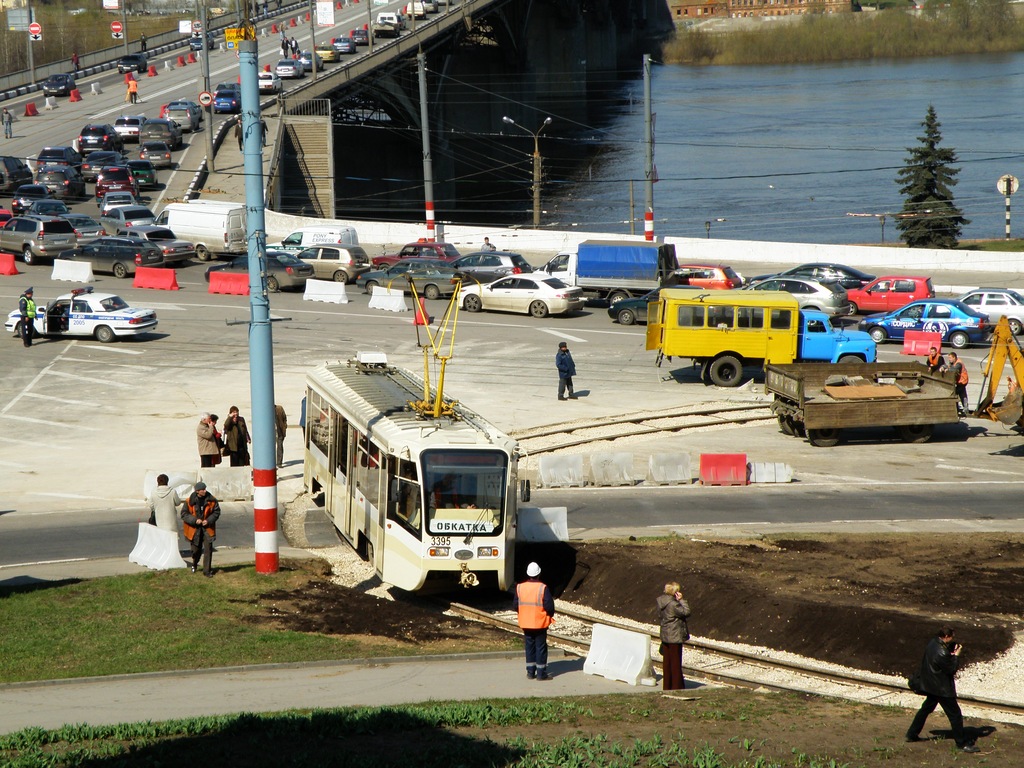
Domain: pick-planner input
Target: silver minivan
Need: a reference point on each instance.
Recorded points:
(829, 298)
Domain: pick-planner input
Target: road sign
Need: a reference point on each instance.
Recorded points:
(234, 34)
(116, 27)
(1007, 185)
(35, 28)
(197, 26)
(205, 98)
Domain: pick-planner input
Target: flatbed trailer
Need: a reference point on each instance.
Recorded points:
(818, 401)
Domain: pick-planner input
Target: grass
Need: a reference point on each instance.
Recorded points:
(155, 622)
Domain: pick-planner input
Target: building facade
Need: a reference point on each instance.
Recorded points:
(697, 10)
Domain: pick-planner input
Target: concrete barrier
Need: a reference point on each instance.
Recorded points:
(723, 469)
(7, 264)
(920, 342)
(96, 88)
(672, 469)
(612, 468)
(561, 471)
(770, 472)
(619, 654)
(228, 483)
(73, 271)
(542, 524)
(231, 283)
(156, 548)
(49, 103)
(388, 299)
(325, 290)
(156, 277)
(75, 95)
(183, 481)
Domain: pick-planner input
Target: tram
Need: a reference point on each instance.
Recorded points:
(430, 501)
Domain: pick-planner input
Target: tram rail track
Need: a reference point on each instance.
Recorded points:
(546, 439)
(714, 662)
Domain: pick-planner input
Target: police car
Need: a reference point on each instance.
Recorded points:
(82, 312)
(957, 323)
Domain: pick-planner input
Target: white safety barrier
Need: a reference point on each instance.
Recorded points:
(389, 299)
(156, 549)
(542, 524)
(167, 65)
(325, 290)
(768, 472)
(619, 654)
(561, 471)
(181, 481)
(50, 102)
(73, 271)
(673, 469)
(228, 483)
(612, 468)
(97, 88)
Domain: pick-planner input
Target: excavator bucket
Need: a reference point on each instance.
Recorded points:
(1010, 409)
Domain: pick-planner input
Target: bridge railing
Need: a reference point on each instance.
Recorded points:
(297, 106)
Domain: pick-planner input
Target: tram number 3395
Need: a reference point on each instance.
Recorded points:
(440, 541)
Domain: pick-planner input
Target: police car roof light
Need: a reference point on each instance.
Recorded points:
(80, 291)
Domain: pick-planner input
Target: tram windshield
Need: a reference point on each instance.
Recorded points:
(465, 491)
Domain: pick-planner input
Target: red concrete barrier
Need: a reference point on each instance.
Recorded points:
(181, 61)
(128, 77)
(266, 67)
(75, 95)
(30, 110)
(7, 264)
(339, 6)
(151, 72)
(274, 29)
(163, 110)
(422, 318)
(723, 469)
(291, 22)
(192, 58)
(233, 283)
(154, 277)
(307, 15)
(919, 342)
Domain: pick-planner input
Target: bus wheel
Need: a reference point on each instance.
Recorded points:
(725, 371)
(823, 438)
(915, 433)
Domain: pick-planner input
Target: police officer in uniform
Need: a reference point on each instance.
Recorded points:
(27, 307)
(536, 611)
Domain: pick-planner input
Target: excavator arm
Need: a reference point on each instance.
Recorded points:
(1005, 348)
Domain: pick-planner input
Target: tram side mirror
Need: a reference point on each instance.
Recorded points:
(524, 490)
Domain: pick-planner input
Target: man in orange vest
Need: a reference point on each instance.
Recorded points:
(199, 515)
(536, 611)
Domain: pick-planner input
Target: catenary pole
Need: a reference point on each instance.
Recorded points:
(428, 166)
(205, 58)
(648, 153)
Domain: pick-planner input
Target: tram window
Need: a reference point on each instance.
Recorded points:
(368, 469)
(690, 317)
(319, 423)
(341, 445)
(406, 506)
(465, 491)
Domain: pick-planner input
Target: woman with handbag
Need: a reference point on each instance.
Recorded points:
(673, 612)
(236, 438)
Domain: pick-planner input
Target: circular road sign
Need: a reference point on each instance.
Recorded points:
(35, 29)
(1007, 184)
(116, 27)
(206, 98)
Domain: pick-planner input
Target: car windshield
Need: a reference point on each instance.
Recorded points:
(113, 303)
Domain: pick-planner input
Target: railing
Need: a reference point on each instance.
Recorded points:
(296, 106)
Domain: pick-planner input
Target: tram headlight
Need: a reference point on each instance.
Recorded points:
(487, 552)
(438, 551)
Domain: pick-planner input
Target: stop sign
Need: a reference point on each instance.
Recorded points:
(35, 29)
(115, 27)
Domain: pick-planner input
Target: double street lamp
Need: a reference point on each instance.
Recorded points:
(536, 162)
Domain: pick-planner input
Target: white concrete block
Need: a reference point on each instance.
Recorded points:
(325, 290)
(228, 483)
(669, 469)
(542, 524)
(72, 271)
(768, 472)
(619, 654)
(156, 548)
(50, 102)
(389, 299)
(612, 468)
(97, 88)
(182, 481)
(558, 471)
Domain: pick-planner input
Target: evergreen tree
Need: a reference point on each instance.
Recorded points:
(929, 218)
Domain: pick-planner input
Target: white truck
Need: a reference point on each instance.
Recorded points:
(215, 227)
(386, 25)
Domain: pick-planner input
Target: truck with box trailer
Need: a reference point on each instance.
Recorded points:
(614, 270)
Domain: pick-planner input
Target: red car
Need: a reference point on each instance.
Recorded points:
(884, 294)
(705, 276)
(116, 178)
(420, 249)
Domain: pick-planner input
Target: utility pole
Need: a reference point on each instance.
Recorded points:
(124, 23)
(537, 162)
(205, 58)
(648, 153)
(312, 37)
(428, 166)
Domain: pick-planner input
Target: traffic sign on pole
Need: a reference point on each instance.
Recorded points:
(116, 27)
(35, 32)
(205, 98)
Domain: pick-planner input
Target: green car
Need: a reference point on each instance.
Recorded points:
(144, 173)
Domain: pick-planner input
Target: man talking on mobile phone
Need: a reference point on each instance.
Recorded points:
(938, 669)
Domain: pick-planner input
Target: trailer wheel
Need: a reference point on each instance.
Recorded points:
(959, 340)
(726, 371)
(915, 433)
(823, 438)
(785, 425)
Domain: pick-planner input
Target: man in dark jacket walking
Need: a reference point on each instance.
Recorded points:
(566, 370)
(938, 668)
(199, 515)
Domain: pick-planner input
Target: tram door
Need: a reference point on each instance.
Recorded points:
(340, 504)
(404, 551)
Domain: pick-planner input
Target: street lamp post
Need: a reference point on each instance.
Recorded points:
(536, 162)
(707, 225)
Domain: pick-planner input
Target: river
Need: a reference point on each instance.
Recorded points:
(785, 153)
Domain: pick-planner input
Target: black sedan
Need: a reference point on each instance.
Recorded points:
(95, 161)
(27, 194)
(631, 311)
(59, 85)
(283, 270)
(825, 272)
(133, 62)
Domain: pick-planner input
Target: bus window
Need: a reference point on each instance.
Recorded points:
(465, 491)
(690, 317)
(720, 317)
(750, 317)
(781, 319)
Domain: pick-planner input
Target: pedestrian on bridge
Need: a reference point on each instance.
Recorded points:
(238, 133)
(142, 43)
(8, 120)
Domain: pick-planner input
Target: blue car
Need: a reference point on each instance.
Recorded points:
(227, 101)
(958, 324)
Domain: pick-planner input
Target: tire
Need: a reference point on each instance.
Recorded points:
(370, 285)
(272, 284)
(726, 371)
(617, 296)
(849, 359)
(915, 433)
(103, 334)
(1015, 326)
(432, 292)
(878, 334)
(201, 253)
(854, 309)
(785, 425)
(539, 309)
(17, 330)
(472, 303)
(120, 271)
(341, 276)
(27, 256)
(626, 317)
(959, 339)
(823, 438)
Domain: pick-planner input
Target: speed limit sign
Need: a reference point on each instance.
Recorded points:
(206, 98)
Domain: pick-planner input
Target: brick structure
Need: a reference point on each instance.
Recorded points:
(697, 10)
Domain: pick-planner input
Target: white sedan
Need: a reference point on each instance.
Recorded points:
(103, 316)
(538, 295)
(269, 82)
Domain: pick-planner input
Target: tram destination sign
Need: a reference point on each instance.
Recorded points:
(461, 527)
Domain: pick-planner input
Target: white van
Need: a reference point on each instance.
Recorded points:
(214, 226)
(307, 237)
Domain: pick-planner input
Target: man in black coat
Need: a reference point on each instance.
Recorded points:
(566, 370)
(938, 668)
